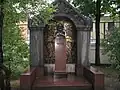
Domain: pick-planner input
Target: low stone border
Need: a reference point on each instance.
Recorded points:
(95, 77)
(27, 79)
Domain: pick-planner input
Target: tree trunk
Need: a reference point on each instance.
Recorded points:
(1, 52)
(1, 27)
(97, 26)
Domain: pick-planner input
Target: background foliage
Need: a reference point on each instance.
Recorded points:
(111, 46)
(96, 9)
(88, 7)
(16, 51)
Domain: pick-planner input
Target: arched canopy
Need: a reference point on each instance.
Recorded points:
(64, 9)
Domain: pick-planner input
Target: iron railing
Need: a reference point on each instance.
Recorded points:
(104, 28)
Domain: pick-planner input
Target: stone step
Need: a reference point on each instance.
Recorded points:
(72, 82)
(63, 88)
(60, 75)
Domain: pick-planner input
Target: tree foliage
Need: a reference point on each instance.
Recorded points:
(88, 7)
(16, 51)
(82, 6)
(111, 46)
(96, 9)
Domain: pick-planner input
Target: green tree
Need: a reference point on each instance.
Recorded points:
(1, 51)
(97, 27)
(89, 8)
(82, 6)
(111, 46)
(96, 9)
(16, 51)
(1, 28)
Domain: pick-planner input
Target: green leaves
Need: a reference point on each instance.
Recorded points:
(16, 51)
(40, 10)
(111, 46)
(88, 7)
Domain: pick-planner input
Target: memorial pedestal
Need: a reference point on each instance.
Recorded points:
(59, 75)
(60, 57)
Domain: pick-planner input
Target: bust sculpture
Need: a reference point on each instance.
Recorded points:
(60, 30)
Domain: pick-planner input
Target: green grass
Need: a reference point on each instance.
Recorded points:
(109, 71)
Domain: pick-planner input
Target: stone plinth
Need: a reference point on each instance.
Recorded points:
(27, 79)
(95, 77)
(60, 57)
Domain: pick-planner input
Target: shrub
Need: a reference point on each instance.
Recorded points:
(16, 51)
(111, 46)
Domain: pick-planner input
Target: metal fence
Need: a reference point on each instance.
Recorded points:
(104, 27)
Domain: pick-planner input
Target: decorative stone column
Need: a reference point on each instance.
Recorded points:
(78, 63)
(41, 43)
(34, 59)
(36, 49)
(85, 48)
(83, 42)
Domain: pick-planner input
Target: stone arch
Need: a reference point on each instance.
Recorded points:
(64, 9)
(66, 19)
(83, 27)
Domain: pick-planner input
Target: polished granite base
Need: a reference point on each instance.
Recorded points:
(59, 75)
(72, 81)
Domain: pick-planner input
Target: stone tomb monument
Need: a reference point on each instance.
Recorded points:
(82, 26)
